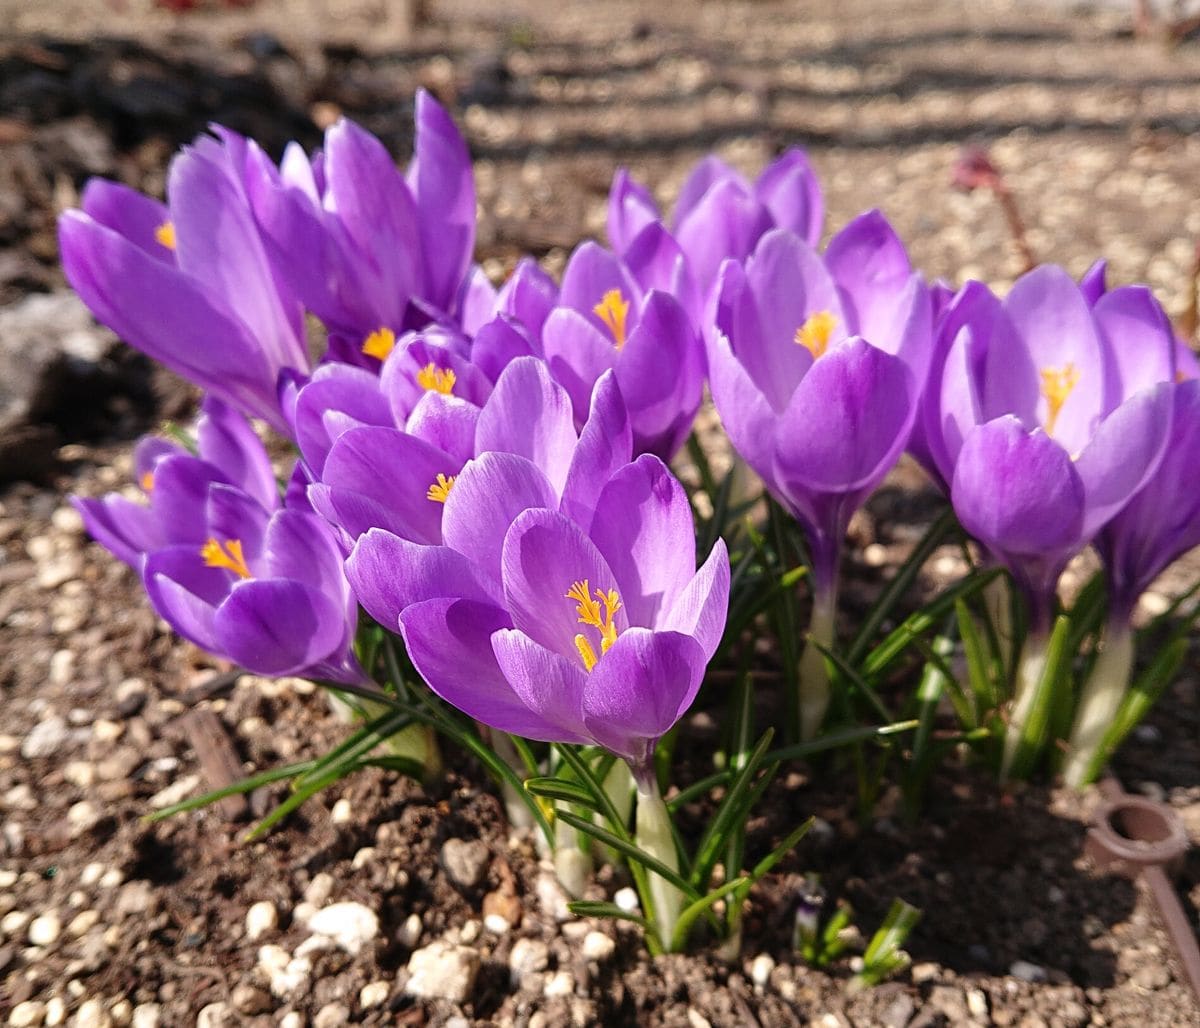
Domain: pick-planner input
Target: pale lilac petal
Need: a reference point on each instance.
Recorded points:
(529, 296)
(605, 444)
(1139, 341)
(498, 343)
(789, 189)
(643, 528)
(870, 264)
(548, 683)
(225, 439)
(1094, 284)
(727, 222)
(707, 173)
(185, 592)
(299, 545)
(278, 627)
(656, 261)
(640, 688)
(591, 273)
(449, 642)
(488, 494)
(447, 422)
(578, 354)
(128, 213)
(701, 609)
(476, 302)
(125, 528)
(339, 397)
(230, 513)
(630, 209)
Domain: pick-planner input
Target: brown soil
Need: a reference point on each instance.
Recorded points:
(1097, 133)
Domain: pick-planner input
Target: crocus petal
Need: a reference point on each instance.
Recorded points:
(1017, 491)
(578, 354)
(745, 413)
(498, 343)
(1139, 342)
(488, 494)
(661, 376)
(1094, 284)
(278, 627)
(529, 296)
(727, 222)
(545, 554)
(870, 264)
(640, 688)
(449, 642)
(389, 574)
(442, 182)
(789, 189)
(591, 273)
(299, 545)
(548, 683)
(707, 173)
(1124, 453)
(531, 415)
(125, 528)
(230, 513)
(848, 421)
(129, 213)
(476, 301)
(339, 397)
(181, 485)
(701, 609)
(656, 261)
(185, 592)
(643, 528)
(605, 444)
(446, 422)
(225, 439)
(630, 209)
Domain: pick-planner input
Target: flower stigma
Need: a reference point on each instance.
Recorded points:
(815, 333)
(227, 555)
(147, 481)
(379, 343)
(441, 488)
(165, 234)
(589, 611)
(613, 310)
(1057, 384)
(433, 379)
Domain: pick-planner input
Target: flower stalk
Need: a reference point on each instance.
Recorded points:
(653, 834)
(1100, 701)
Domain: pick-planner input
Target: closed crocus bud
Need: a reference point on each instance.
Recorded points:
(819, 408)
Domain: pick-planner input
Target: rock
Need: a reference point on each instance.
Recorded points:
(176, 792)
(761, 968)
(410, 932)
(91, 1014)
(319, 889)
(28, 1014)
(261, 918)
(949, 999)
(291, 1019)
(465, 862)
(697, 1019)
(217, 1015)
(82, 817)
(528, 957)
(285, 973)
(342, 812)
(1026, 971)
(56, 1012)
(13, 923)
(146, 1015)
(45, 930)
(626, 899)
(551, 897)
(924, 973)
(977, 1004)
(45, 738)
(374, 994)
(350, 925)
(560, 985)
(1152, 976)
(332, 1015)
(497, 924)
(442, 971)
(899, 1012)
(248, 999)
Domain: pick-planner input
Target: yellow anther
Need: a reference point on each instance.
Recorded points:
(586, 653)
(590, 614)
(441, 488)
(1057, 385)
(613, 310)
(165, 234)
(147, 481)
(433, 379)
(379, 343)
(815, 333)
(227, 555)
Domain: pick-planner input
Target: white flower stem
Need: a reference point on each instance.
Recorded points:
(653, 834)
(515, 807)
(416, 742)
(997, 601)
(814, 672)
(1100, 701)
(1030, 665)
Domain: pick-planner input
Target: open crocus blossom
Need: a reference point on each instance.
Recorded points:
(197, 292)
(224, 564)
(370, 251)
(1046, 416)
(815, 367)
(719, 214)
(605, 322)
(1160, 523)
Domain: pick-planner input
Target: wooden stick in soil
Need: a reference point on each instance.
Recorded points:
(218, 760)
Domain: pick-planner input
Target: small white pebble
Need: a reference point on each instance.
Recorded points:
(28, 1014)
(261, 918)
(82, 817)
(67, 519)
(45, 930)
(105, 731)
(291, 1020)
(90, 875)
(319, 889)
(697, 1019)
(626, 899)
(924, 973)
(363, 857)
(469, 932)
(977, 1003)
(302, 912)
(560, 984)
(1027, 971)
(121, 1012)
(374, 994)
(13, 923)
(598, 946)
(8, 879)
(342, 812)
(91, 1014)
(111, 878)
(146, 1015)
(760, 970)
(496, 924)
(56, 1012)
(176, 792)
(410, 932)
(351, 925)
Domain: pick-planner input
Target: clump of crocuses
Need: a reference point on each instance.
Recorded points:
(476, 530)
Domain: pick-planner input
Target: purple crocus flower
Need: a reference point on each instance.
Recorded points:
(604, 322)
(370, 251)
(1160, 523)
(815, 365)
(224, 564)
(195, 291)
(719, 214)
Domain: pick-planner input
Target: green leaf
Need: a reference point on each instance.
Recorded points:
(884, 956)
(851, 675)
(563, 792)
(900, 584)
(1053, 676)
(979, 667)
(595, 908)
(921, 621)
(237, 788)
(842, 737)
(728, 814)
(768, 862)
(688, 915)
